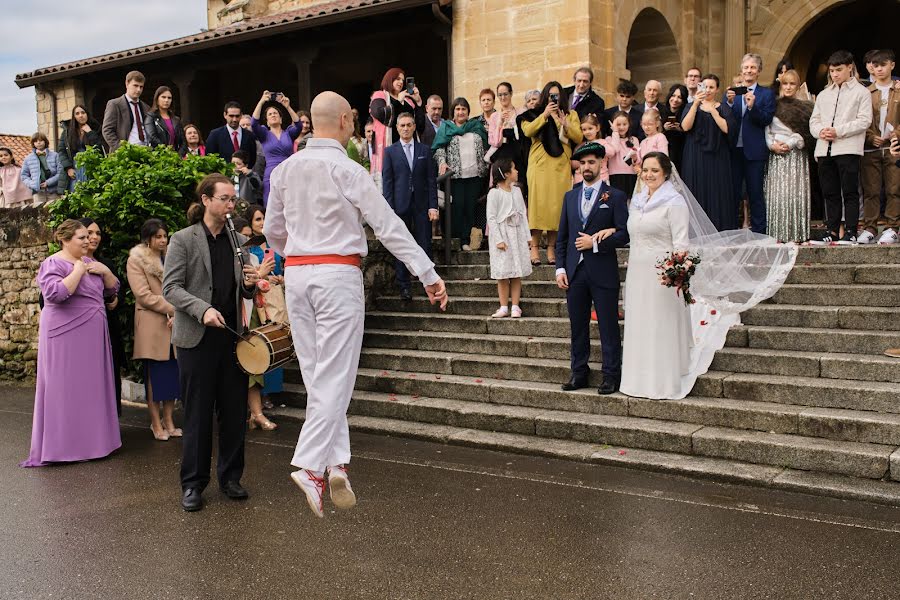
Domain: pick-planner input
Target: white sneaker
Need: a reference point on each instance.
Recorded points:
(313, 485)
(339, 485)
(866, 237)
(888, 236)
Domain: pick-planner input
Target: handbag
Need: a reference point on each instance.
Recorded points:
(276, 305)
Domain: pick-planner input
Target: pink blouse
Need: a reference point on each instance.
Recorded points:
(655, 143)
(616, 151)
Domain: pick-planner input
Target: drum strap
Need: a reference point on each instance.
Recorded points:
(324, 259)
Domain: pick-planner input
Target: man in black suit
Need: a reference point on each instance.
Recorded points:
(409, 184)
(583, 99)
(625, 93)
(591, 226)
(225, 140)
(434, 110)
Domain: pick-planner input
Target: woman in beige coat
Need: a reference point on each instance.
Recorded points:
(153, 328)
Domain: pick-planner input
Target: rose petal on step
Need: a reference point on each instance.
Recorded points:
(703, 322)
(622, 453)
(712, 312)
(437, 376)
(384, 373)
(478, 381)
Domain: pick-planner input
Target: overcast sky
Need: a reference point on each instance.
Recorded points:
(41, 33)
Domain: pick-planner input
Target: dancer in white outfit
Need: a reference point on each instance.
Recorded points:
(318, 201)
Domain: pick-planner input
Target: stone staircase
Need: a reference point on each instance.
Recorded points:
(801, 397)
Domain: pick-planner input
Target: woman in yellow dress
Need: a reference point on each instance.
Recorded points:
(551, 127)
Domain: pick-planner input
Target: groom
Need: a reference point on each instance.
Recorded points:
(592, 225)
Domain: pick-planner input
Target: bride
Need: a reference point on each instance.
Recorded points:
(668, 344)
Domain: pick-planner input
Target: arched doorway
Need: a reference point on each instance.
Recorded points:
(652, 51)
(857, 26)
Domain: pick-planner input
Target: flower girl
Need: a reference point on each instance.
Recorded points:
(509, 234)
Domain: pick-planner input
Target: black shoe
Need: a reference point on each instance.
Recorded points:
(608, 386)
(405, 294)
(191, 500)
(574, 383)
(849, 238)
(233, 490)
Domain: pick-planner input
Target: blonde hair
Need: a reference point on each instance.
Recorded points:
(67, 229)
(653, 114)
(793, 74)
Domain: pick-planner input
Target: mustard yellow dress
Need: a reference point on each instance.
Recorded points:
(549, 178)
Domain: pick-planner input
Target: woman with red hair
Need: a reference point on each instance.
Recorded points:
(387, 104)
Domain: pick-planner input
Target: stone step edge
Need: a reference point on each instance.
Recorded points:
(537, 339)
(618, 399)
(556, 362)
(715, 469)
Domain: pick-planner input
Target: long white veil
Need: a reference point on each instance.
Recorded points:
(738, 269)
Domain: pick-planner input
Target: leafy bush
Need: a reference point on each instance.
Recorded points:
(124, 189)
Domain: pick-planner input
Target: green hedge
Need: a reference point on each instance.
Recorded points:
(124, 189)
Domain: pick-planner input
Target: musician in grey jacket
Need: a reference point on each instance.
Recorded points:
(205, 283)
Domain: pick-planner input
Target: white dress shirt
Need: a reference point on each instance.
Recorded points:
(240, 132)
(318, 201)
(133, 136)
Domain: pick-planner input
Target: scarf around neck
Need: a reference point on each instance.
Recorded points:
(449, 129)
(549, 134)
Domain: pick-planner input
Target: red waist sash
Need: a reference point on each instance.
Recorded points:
(324, 259)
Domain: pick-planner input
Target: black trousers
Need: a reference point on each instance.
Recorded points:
(584, 291)
(420, 227)
(211, 382)
(839, 178)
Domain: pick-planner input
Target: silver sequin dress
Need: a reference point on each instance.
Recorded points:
(787, 187)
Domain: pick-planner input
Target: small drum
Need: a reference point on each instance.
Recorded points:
(265, 348)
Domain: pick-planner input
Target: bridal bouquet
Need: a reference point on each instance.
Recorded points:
(675, 270)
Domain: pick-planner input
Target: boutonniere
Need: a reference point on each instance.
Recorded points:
(604, 197)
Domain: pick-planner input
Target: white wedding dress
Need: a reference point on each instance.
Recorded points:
(668, 344)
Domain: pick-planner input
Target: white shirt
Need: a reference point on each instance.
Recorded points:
(133, 137)
(240, 132)
(882, 115)
(649, 107)
(318, 201)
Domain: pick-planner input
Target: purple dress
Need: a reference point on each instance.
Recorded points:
(275, 149)
(75, 401)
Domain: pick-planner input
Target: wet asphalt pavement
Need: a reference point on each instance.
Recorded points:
(433, 522)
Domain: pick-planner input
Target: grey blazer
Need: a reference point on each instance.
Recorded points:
(187, 284)
(118, 119)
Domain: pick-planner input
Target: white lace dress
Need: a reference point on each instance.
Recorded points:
(507, 221)
(668, 344)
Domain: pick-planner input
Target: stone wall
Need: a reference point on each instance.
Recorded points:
(69, 93)
(23, 245)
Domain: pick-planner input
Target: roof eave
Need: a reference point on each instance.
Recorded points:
(142, 54)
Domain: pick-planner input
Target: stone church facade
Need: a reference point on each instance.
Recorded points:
(458, 47)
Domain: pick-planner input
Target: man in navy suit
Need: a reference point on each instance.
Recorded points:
(750, 153)
(231, 137)
(409, 184)
(591, 226)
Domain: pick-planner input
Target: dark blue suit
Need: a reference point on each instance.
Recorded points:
(411, 194)
(595, 279)
(219, 142)
(748, 163)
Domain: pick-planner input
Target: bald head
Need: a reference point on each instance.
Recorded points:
(333, 117)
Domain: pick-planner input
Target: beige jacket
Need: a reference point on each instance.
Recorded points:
(893, 113)
(152, 337)
(850, 109)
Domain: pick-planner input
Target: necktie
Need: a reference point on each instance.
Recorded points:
(586, 203)
(137, 119)
(234, 141)
(577, 100)
(409, 156)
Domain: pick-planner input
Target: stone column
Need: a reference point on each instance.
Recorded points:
(303, 60)
(735, 34)
(183, 80)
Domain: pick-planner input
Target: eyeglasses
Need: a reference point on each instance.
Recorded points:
(226, 199)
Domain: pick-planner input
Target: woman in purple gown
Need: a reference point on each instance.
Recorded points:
(75, 403)
(277, 143)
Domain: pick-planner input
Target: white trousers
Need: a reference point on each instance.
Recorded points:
(327, 312)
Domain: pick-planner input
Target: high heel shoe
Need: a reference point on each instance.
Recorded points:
(174, 432)
(535, 256)
(260, 421)
(163, 436)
